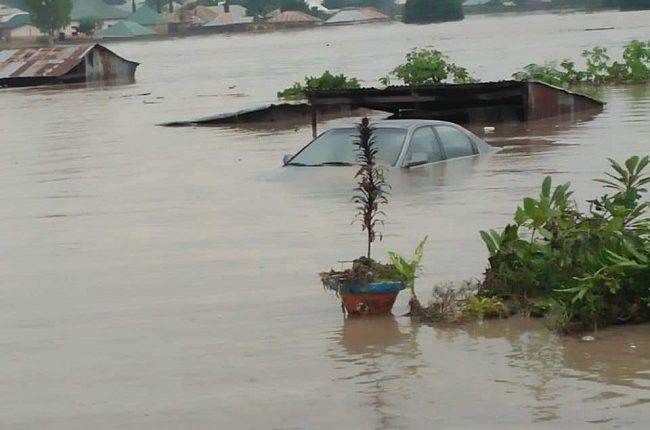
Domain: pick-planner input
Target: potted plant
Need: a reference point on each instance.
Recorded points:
(368, 287)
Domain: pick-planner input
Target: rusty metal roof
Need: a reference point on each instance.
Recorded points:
(49, 61)
(292, 16)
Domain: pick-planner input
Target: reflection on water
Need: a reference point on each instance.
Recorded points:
(389, 362)
(164, 278)
(381, 355)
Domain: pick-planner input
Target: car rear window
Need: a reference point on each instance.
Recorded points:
(337, 146)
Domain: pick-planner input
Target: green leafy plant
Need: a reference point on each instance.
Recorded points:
(428, 67)
(634, 66)
(482, 307)
(592, 264)
(407, 269)
(327, 81)
(88, 24)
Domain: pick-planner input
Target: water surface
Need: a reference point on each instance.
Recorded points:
(166, 278)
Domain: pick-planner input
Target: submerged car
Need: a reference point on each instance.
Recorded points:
(400, 143)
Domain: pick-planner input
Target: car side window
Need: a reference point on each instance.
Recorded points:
(424, 147)
(455, 143)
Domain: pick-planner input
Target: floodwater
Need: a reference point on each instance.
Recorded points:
(156, 278)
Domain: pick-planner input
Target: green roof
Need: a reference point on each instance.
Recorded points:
(126, 29)
(16, 21)
(96, 8)
(147, 16)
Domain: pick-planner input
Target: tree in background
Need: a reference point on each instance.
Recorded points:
(298, 5)
(88, 25)
(634, 4)
(427, 11)
(49, 16)
(385, 5)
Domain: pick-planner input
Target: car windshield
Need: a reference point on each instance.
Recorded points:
(337, 147)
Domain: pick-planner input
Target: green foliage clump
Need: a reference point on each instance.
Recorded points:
(326, 81)
(594, 265)
(428, 67)
(634, 4)
(634, 66)
(407, 270)
(481, 307)
(49, 16)
(429, 11)
(88, 24)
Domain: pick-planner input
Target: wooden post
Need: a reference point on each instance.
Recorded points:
(314, 122)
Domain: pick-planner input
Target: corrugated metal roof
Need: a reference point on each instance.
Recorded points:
(126, 29)
(14, 21)
(357, 15)
(96, 8)
(229, 19)
(147, 16)
(41, 62)
(292, 16)
(51, 61)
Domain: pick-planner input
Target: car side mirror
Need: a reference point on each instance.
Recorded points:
(286, 158)
(416, 159)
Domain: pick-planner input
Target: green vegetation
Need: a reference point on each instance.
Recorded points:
(428, 11)
(383, 5)
(634, 66)
(588, 268)
(482, 307)
(88, 25)
(326, 81)
(49, 16)
(428, 67)
(407, 270)
(634, 4)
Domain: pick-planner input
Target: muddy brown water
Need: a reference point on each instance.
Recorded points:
(156, 278)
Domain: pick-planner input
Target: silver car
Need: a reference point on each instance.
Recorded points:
(400, 143)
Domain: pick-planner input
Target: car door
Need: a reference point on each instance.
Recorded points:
(423, 148)
(454, 142)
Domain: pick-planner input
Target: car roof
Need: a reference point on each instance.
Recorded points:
(402, 123)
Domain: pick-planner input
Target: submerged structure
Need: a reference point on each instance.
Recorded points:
(63, 64)
(486, 103)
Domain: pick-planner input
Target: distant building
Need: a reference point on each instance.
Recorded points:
(293, 18)
(149, 18)
(63, 64)
(18, 27)
(357, 15)
(125, 30)
(108, 14)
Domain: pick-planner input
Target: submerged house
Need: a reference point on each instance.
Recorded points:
(357, 15)
(126, 30)
(293, 18)
(149, 18)
(63, 64)
(108, 14)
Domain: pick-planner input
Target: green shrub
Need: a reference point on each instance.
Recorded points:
(482, 307)
(428, 67)
(429, 11)
(594, 264)
(326, 81)
(634, 66)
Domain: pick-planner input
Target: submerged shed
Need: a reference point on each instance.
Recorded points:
(62, 64)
